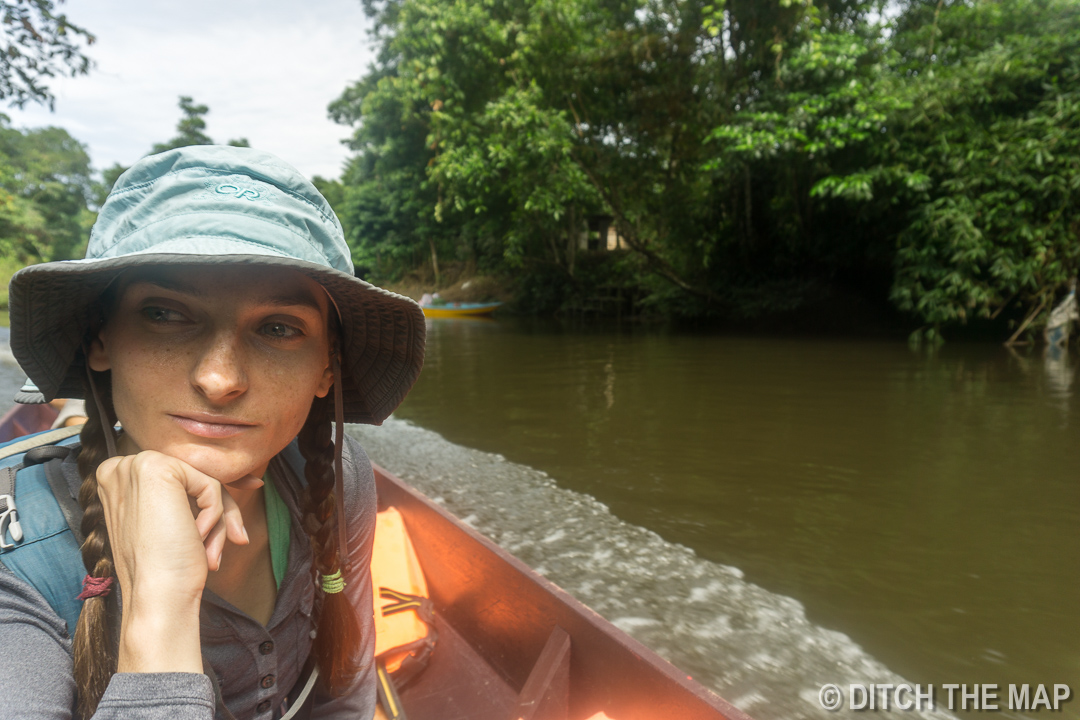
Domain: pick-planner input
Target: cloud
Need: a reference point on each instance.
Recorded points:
(266, 69)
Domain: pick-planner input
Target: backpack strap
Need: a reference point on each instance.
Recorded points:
(9, 514)
(66, 496)
(48, 437)
(301, 698)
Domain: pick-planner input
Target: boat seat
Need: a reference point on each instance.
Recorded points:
(546, 695)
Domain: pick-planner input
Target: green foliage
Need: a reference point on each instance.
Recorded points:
(543, 289)
(995, 128)
(747, 152)
(45, 183)
(947, 146)
(387, 204)
(189, 130)
(8, 267)
(45, 176)
(36, 45)
(493, 131)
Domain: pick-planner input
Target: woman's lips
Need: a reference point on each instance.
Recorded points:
(209, 426)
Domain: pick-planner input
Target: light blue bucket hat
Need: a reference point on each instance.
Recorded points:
(215, 205)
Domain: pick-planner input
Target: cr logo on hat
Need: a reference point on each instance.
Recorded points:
(241, 193)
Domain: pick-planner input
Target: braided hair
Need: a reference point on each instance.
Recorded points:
(94, 643)
(338, 636)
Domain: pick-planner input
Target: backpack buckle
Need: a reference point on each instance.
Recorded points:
(9, 521)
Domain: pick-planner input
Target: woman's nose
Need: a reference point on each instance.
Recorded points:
(219, 372)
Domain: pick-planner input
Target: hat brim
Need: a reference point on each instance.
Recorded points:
(51, 305)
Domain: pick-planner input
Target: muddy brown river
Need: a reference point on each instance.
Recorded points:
(923, 504)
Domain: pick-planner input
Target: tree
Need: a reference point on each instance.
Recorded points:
(387, 204)
(189, 130)
(995, 130)
(504, 125)
(45, 184)
(946, 151)
(36, 45)
(511, 122)
(752, 155)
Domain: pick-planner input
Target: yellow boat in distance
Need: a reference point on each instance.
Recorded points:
(458, 310)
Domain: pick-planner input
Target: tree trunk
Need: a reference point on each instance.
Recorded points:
(571, 245)
(434, 261)
(749, 207)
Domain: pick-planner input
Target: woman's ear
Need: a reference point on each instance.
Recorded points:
(325, 382)
(97, 357)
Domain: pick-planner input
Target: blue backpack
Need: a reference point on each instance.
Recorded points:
(40, 519)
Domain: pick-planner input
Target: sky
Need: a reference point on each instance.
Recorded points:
(266, 68)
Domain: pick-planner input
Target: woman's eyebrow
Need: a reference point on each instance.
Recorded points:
(174, 286)
(300, 298)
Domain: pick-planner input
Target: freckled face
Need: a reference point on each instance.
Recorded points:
(216, 366)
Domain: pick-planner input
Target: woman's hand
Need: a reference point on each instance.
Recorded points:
(168, 524)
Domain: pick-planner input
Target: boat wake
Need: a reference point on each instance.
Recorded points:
(755, 648)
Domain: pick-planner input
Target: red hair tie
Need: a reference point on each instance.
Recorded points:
(94, 587)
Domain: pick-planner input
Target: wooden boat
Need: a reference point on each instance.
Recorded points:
(26, 419)
(511, 644)
(459, 310)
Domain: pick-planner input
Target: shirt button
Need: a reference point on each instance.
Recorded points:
(268, 681)
(263, 706)
(266, 648)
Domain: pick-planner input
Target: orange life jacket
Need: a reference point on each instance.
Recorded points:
(404, 616)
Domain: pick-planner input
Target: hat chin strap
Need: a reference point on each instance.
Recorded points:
(339, 473)
(106, 426)
(339, 433)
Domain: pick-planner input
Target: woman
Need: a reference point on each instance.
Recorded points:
(217, 320)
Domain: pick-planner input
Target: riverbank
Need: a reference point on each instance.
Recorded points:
(809, 310)
(595, 294)
(456, 284)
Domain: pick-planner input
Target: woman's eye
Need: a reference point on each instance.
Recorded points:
(162, 315)
(280, 330)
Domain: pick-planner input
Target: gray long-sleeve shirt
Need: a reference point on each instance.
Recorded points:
(256, 666)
